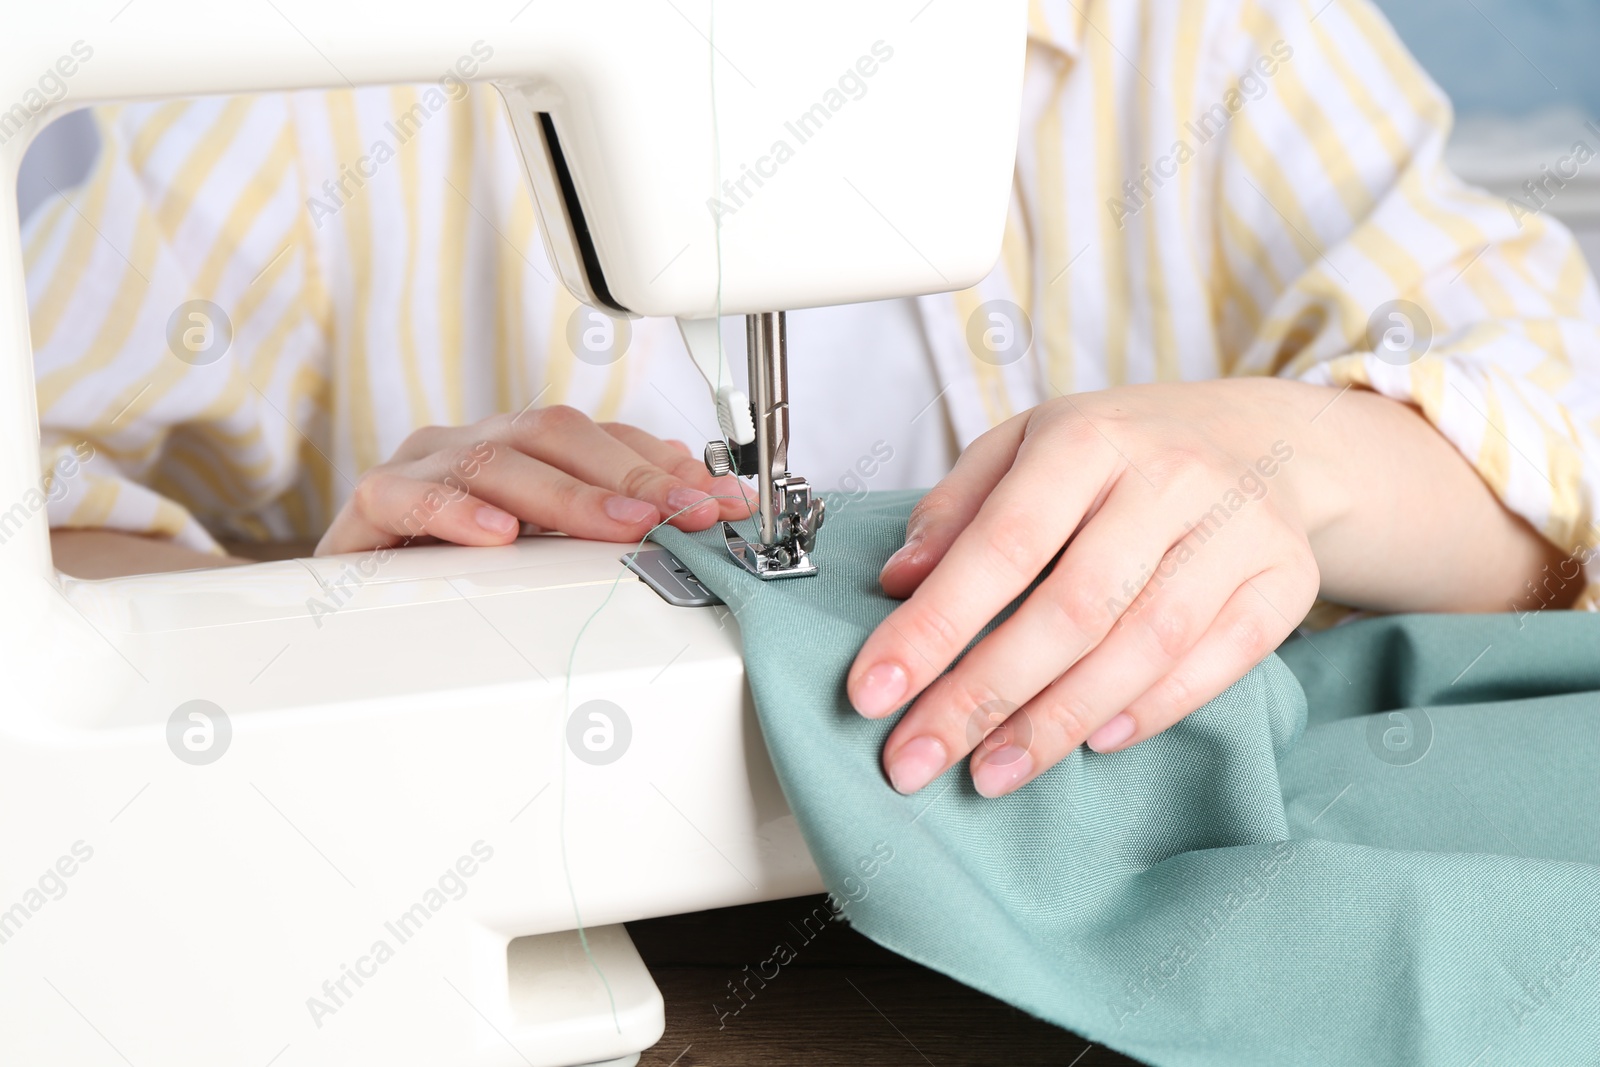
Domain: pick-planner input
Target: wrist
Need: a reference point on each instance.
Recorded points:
(1304, 431)
(1397, 518)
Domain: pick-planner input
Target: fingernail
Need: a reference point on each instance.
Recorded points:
(626, 509)
(905, 553)
(918, 762)
(881, 690)
(496, 521)
(1113, 733)
(684, 499)
(1002, 771)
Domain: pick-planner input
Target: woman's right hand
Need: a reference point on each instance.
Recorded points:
(551, 467)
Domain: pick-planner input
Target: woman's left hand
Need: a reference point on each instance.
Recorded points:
(1194, 517)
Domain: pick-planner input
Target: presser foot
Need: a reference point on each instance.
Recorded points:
(790, 521)
(768, 562)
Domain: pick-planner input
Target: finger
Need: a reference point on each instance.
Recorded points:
(1065, 617)
(1019, 528)
(391, 509)
(429, 440)
(950, 506)
(570, 441)
(672, 457)
(552, 499)
(675, 458)
(1179, 605)
(734, 499)
(395, 506)
(1255, 620)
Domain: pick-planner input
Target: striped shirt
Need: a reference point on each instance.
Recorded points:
(1203, 188)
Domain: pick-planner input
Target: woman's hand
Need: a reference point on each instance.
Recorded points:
(1199, 521)
(551, 467)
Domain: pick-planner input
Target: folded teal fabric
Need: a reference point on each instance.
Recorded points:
(1382, 846)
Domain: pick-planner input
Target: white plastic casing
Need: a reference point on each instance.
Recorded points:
(373, 747)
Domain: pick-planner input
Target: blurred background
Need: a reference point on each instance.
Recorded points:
(1524, 76)
(1506, 57)
(1525, 79)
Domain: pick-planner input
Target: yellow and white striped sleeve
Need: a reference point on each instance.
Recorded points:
(187, 202)
(1351, 256)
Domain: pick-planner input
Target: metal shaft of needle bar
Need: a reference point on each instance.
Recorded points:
(766, 336)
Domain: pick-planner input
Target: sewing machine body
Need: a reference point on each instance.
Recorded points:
(221, 896)
(186, 890)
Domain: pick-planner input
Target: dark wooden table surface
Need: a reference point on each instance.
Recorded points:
(840, 1001)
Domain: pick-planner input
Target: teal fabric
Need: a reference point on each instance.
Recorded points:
(1380, 848)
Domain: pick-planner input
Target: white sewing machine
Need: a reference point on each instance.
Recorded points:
(375, 839)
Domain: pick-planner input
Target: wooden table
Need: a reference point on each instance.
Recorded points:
(833, 999)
